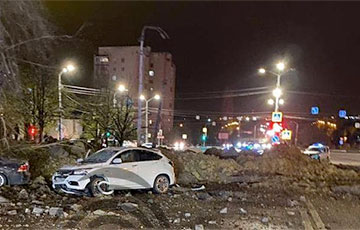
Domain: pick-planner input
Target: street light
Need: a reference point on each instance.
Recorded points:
(281, 101)
(143, 98)
(121, 89)
(262, 70)
(280, 66)
(68, 68)
(270, 101)
(277, 92)
(163, 35)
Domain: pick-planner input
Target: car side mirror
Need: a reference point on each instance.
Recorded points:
(117, 161)
(80, 160)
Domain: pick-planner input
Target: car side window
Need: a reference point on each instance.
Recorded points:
(129, 156)
(149, 156)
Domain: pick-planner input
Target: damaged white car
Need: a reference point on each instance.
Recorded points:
(112, 169)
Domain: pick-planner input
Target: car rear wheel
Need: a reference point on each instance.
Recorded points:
(2, 180)
(161, 184)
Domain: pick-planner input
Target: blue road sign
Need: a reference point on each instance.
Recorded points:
(275, 139)
(315, 110)
(342, 113)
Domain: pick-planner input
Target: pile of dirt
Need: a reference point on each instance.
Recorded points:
(44, 160)
(290, 162)
(191, 167)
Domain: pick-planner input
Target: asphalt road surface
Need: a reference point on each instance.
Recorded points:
(345, 158)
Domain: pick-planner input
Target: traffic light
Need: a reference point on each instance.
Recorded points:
(32, 131)
(203, 137)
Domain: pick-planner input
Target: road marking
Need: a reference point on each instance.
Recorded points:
(315, 216)
(306, 220)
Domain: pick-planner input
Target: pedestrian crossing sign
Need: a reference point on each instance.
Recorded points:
(276, 117)
(286, 135)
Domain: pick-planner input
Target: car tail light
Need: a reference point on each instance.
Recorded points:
(23, 168)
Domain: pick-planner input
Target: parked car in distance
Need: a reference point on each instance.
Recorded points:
(13, 172)
(116, 168)
(318, 151)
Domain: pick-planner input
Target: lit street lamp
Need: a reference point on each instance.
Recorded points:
(270, 101)
(143, 98)
(281, 101)
(163, 35)
(120, 89)
(277, 92)
(68, 68)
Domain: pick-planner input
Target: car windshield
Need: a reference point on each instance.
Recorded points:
(100, 156)
(316, 149)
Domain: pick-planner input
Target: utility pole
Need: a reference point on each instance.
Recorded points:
(163, 35)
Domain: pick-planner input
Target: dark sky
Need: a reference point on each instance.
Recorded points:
(220, 45)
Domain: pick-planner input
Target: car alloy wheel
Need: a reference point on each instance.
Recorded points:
(161, 184)
(2, 180)
(94, 186)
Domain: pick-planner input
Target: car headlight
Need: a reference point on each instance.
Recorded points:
(81, 172)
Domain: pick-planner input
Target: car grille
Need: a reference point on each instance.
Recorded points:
(64, 173)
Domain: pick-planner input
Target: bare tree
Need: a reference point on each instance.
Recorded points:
(27, 60)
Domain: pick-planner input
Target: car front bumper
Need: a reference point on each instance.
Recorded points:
(72, 184)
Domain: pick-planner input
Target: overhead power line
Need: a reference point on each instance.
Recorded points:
(225, 96)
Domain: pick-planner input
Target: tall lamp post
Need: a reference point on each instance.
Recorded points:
(277, 92)
(163, 35)
(68, 68)
(142, 98)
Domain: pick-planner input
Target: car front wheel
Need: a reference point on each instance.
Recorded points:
(93, 186)
(2, 180)
(161, 184)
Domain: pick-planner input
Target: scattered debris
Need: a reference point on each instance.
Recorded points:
(223, 211)
(3, 200)
(128, 207)
(76, 207)
(12, 213)
(202, 187)
(243, 211)
(23, 194)
(265, 220)
(199, 227)
(38, 211)
(291, 213)
(187, 214)
(176, 221)
(99, 212)
(56, 211)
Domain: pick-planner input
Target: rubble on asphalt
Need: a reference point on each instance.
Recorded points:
(288, 162)
(210, 191)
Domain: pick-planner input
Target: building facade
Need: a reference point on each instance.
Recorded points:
(120, 65)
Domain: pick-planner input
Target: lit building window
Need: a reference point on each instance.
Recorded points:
(114, 78)
(150, 122)
(104, 59)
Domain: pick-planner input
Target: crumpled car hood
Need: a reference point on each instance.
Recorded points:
(81, 166)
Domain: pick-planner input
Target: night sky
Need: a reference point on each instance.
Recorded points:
(219, 46)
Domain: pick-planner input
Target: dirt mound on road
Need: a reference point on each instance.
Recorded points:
(290, 162)
(191, 167)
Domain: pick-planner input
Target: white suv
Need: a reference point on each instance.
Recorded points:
(120, 168)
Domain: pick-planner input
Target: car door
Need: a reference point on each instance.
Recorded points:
(123, 175)
(149, 167)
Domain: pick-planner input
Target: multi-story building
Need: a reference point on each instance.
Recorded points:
(120, 65)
